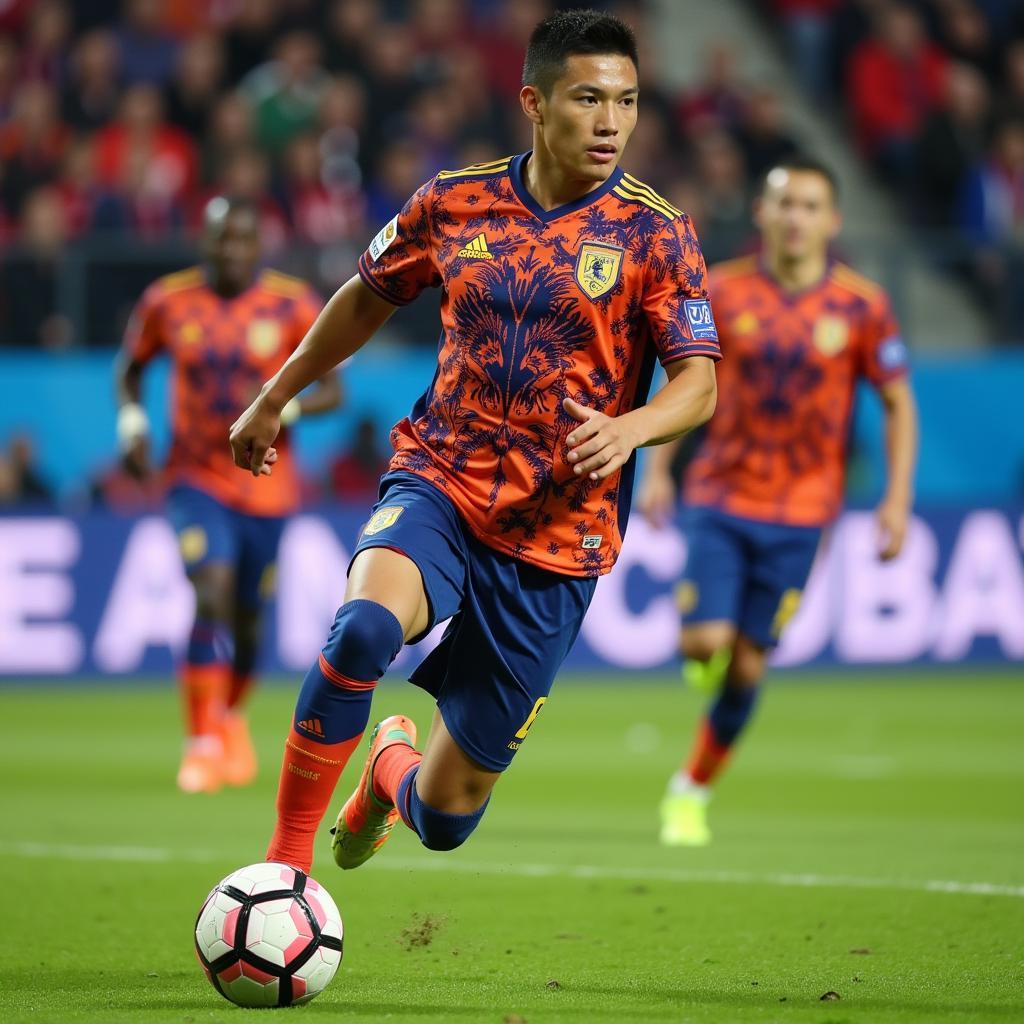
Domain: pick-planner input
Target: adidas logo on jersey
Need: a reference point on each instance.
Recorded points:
(477, 249)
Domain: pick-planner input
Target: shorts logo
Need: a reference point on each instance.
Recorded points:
(686, 597)
(193, 543)
(831, 334)
(382, 519)
(597, 268)
(525, 727)
(701, 319)
(383, 239)
(264, 337)
(788, 606)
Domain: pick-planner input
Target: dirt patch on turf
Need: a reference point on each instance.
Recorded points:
(420, 932)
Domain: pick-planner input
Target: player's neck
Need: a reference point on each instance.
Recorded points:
(797, 275)
(224, 287)
(548, 183)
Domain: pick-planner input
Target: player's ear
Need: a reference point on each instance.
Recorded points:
(837, 223)
(531, 101)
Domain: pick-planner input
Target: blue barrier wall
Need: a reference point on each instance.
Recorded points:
(101, 594)
(973, 443)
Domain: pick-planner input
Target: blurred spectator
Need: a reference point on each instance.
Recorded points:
(434, 122)
(8, 76)
(722, 182)
(230, 131)
(807, 27)
(140, 153)
(966, 35)
(28, 276)
(401, 169)
(44, 55)
(503, 43)
(438, 26)
(78, 187)
(32, 143)
(130, 485)
(762, 133)
(992, 215)
(198, 78)
(351, 25)
(1011, 99)
(285, 92)
(342, 117)
(719, 98)
(953, 140)
(92, 89)
(148, 50)
(31, 487)
(390, 84)
(318, 214)
(250, 37)
(896, 78)
(355, 474)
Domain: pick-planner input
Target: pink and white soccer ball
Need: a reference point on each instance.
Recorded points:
(269, 935)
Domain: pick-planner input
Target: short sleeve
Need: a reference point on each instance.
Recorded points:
(883, 354)
(144, 335)
(398, 264)
(676, 295)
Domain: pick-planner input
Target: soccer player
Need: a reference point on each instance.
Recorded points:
(226, 327)
(798, 331)
(563, 281)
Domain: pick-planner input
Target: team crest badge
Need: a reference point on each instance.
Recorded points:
(597, 268)
(382, 519)
(831, 334)
(264, 337)
(191, 332)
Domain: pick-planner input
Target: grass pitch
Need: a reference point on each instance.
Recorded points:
(869, 842)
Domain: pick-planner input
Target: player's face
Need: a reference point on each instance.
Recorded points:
(233, 248)
(590, 114)
(797, 214)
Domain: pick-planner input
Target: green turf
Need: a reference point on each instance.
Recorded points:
(879, 783)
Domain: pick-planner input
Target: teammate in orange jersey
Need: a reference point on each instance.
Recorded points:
(225, 326)
(798, 331)
(564, 280)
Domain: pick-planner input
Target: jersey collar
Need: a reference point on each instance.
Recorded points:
(516, 176)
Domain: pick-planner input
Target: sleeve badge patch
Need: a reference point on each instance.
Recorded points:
(382, 519)
(892, 354)
(700, 319)
(597, 268)
(384, 238)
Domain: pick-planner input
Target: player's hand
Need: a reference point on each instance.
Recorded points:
(891, 517)
(252, 437)
(656, 498)
(601, 444)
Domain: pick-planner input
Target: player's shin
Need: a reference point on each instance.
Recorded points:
(330, 717)
(727, 717)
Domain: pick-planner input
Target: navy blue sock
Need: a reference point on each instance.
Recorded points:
(437, 830)
(209, 642)
(731, 711)
(334, 702)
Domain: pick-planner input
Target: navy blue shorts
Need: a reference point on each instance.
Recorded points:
(210, 532)
(512, 623)
(744, 571)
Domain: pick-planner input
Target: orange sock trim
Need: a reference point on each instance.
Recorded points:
(708, 757)
(309, 774)
(391, 767)
(238, 690)
(204, 689)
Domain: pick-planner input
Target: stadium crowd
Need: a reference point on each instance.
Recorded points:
(119, 118)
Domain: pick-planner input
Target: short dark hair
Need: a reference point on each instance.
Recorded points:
(802, 163)
(569, 33)
(220, 207)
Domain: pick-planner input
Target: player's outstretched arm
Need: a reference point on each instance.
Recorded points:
(603, 444)
(346, 323)
(893, 511)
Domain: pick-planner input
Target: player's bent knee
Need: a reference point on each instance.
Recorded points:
(439, 830)
(748, 663)
(364, 640)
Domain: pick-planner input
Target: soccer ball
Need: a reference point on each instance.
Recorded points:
(269, 935)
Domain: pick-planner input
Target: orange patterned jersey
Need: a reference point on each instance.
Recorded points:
(221, 351)
(775, 449)
(579, 301)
